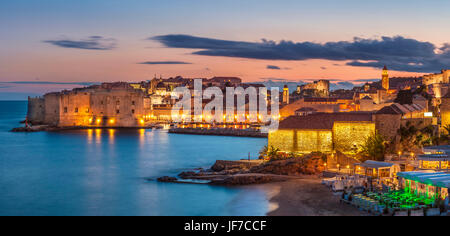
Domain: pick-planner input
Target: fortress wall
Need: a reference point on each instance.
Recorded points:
(52, 108)
(75, 109)
(125, 107)
(36, 110)
(350, 136)
(387, 124)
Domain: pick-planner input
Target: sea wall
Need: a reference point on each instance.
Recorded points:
(219, 132)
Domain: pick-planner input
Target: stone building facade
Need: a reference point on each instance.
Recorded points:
(346, 132)
(437, 84)
(320, 88)
(323, 132)
(106, 105)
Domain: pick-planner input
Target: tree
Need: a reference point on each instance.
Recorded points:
(263, 152)
(273, 153)
(412, 138)
(447, 129)
(270, 153)
(374, 148)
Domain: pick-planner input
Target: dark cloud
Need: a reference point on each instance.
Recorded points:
(165, 63)
(399, 53)
(91, 43)
(271, 67)
(323, 68)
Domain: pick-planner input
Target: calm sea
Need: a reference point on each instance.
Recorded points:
(105, 172)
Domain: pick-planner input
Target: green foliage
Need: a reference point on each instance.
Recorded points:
(447, 129)
(374, 148)
(411, 137)
(445, 136)
(263, 152)
(274, 154)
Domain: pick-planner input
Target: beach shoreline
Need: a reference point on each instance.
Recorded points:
(306, 197)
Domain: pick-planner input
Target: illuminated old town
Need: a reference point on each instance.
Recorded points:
(184, 116)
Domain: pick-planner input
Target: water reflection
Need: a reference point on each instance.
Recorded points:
(111, 136)
(98, 136)
(90, 136)
(142, 138)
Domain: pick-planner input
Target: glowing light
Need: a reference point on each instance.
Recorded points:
(428, 114)
(99, 121)
(142, 122)
(112, 121)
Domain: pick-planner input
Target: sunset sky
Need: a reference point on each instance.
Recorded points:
(69, 43)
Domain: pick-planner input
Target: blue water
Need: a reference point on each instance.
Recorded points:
(105, 172)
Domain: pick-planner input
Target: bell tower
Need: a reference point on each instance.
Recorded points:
(286, 95)
(385, 78)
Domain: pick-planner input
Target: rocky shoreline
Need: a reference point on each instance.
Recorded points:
(237, 173)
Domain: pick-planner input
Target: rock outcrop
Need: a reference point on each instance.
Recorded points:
(243, 180)
(167, 179)
(235, 173)
(307, 165)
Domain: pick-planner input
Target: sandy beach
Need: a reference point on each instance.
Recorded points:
(307, 197)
